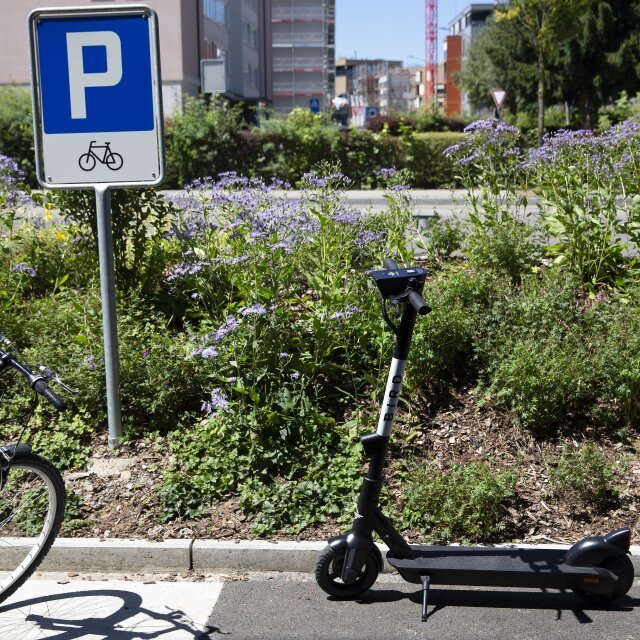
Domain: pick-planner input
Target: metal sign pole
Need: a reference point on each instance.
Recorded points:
(109, 326)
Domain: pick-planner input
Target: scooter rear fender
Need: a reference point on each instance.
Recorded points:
(590, 552)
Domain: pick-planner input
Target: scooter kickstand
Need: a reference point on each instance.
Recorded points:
(426, 581)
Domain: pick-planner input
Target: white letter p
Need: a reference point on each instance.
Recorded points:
(78, 79)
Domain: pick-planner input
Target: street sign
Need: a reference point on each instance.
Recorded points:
(96, 96)
(314, 105)
(498, 96)
(213, 76)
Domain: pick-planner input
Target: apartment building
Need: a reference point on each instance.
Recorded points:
(463, 29)
(180, 48)
(278, 51)
(395, 92)
(302, 54)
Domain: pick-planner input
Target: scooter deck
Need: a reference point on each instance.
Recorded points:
(491, 566)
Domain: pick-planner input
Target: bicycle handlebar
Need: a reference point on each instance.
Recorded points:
(37, 382)
(41, 387)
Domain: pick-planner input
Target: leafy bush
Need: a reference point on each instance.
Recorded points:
(445, 343)
(580, 176)
(16, 130)
(465, 502)
(585, 475)
(559, 362)
(202, 141)
(392, 124)
(139, 217)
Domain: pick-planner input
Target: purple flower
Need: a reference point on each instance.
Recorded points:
(208, 353)
(23, 267)
(254, 310)
(229, 325)
(347, 313)
(218, 402)
(89, 362)
(186, 269)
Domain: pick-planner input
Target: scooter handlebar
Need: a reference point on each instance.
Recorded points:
(390, 263)
(418, 303)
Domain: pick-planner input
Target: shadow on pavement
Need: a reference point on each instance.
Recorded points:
(113, 613)
(560, 601)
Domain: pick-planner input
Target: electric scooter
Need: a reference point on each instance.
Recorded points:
(596, 568)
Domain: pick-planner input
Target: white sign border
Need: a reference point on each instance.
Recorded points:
(36, 94)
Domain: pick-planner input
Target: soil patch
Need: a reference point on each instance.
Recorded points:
(119, 499)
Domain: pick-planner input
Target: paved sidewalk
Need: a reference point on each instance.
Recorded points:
(109, 608)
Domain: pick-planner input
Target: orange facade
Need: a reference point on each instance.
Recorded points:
(452, 66)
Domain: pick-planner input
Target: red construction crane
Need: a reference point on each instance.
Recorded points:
(431, 52)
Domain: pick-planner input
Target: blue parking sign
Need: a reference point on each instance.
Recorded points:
(97, 102)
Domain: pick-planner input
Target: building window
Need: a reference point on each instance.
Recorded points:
(250, 74)
(249, 35)
(215, 10)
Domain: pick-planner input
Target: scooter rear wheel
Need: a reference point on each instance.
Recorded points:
(622, 567)
(329, 570)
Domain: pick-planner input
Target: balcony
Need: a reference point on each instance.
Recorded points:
(297, 14)
(292, 64)
(294, 39)
(295, 88)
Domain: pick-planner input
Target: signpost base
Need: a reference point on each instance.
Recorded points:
(109, 326)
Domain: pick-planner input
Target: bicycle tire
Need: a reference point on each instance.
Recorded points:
(89, 161)
(32, 504)
(114, 161)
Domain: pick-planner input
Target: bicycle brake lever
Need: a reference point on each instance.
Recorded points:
(50, 374)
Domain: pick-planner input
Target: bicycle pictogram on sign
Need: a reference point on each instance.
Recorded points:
(87, 161)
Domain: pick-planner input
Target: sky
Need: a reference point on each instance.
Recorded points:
(389, 29)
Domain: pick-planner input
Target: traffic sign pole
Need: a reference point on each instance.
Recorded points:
(109, 325)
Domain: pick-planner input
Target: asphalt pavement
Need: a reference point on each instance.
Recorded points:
(290, 606)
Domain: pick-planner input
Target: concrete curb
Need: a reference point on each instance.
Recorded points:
(117, 556)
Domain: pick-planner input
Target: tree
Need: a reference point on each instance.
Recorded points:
(602, 59)
(499, 57)
(545, 25)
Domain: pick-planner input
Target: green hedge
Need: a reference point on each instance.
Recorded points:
(203, 141)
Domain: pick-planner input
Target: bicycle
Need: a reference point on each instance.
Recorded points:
(32, 491)
(87, 161)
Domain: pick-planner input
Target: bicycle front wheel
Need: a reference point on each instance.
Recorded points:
(32, 502)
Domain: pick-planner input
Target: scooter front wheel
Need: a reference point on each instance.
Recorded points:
(329, 570)
(622, 567)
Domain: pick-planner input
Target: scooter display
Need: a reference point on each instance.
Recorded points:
(596, 568)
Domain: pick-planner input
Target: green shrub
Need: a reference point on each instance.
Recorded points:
(158, 386)
(16, 130)
(585, 475)
(445, 341)
(203, 141)
(441, 239)
(139, 217)
(559, 362)
(422, 154)
(296, 144)
(464, 502)
(208, 141)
